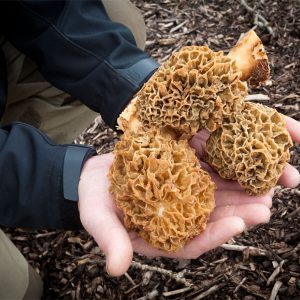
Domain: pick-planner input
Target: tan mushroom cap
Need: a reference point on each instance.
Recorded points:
(252, 147)
(158, 183)
(191, 91)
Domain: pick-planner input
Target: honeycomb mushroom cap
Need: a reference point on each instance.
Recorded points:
(193, 90)
(158, 183)
(251, 147)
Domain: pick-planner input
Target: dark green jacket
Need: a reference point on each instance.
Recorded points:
(81, 51)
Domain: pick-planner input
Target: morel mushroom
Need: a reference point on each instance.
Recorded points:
(165, 195)
(193, 90)
(156, 178)
(251, 147)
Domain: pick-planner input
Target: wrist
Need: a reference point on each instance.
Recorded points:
(93, 176)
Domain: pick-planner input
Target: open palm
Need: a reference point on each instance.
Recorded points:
(233, 212)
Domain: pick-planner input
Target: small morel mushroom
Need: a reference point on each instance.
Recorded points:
(251, 147)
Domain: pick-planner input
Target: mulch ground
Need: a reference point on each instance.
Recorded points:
(267, 265)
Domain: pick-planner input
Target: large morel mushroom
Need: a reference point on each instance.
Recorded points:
(165, 195)
(193, 90)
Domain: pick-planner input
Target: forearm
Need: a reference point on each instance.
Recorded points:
(37, 179)
(81, 51)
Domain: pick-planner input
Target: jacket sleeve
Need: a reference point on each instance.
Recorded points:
(80, 50)
(39, 179)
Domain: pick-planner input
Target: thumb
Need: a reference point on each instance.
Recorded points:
(113, 240)
(98, 214)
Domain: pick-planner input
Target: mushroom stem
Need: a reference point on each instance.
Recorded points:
(128, 119)
(251, 59)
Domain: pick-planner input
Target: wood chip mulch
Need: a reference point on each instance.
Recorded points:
(261, 263)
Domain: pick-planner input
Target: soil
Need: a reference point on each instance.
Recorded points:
(71, 264)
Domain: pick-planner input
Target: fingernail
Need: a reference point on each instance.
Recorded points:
(243, 227)
(296, 176)
(298, 179)
(268, 216)
(106, 268)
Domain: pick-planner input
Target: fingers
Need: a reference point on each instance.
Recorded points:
(207, 167)
(215, 234)
(220, 182)
(290, 177)
(233, 198)
(293, 128)
(112, 238)
(252, 214)
(223, 184)
(198, 142)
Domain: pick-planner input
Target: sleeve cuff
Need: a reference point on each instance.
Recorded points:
(121, 86)
(140, 72)
(74, 160)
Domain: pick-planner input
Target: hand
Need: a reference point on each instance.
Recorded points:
(234, 210)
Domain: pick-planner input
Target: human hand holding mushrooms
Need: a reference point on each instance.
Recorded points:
(196, 163)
